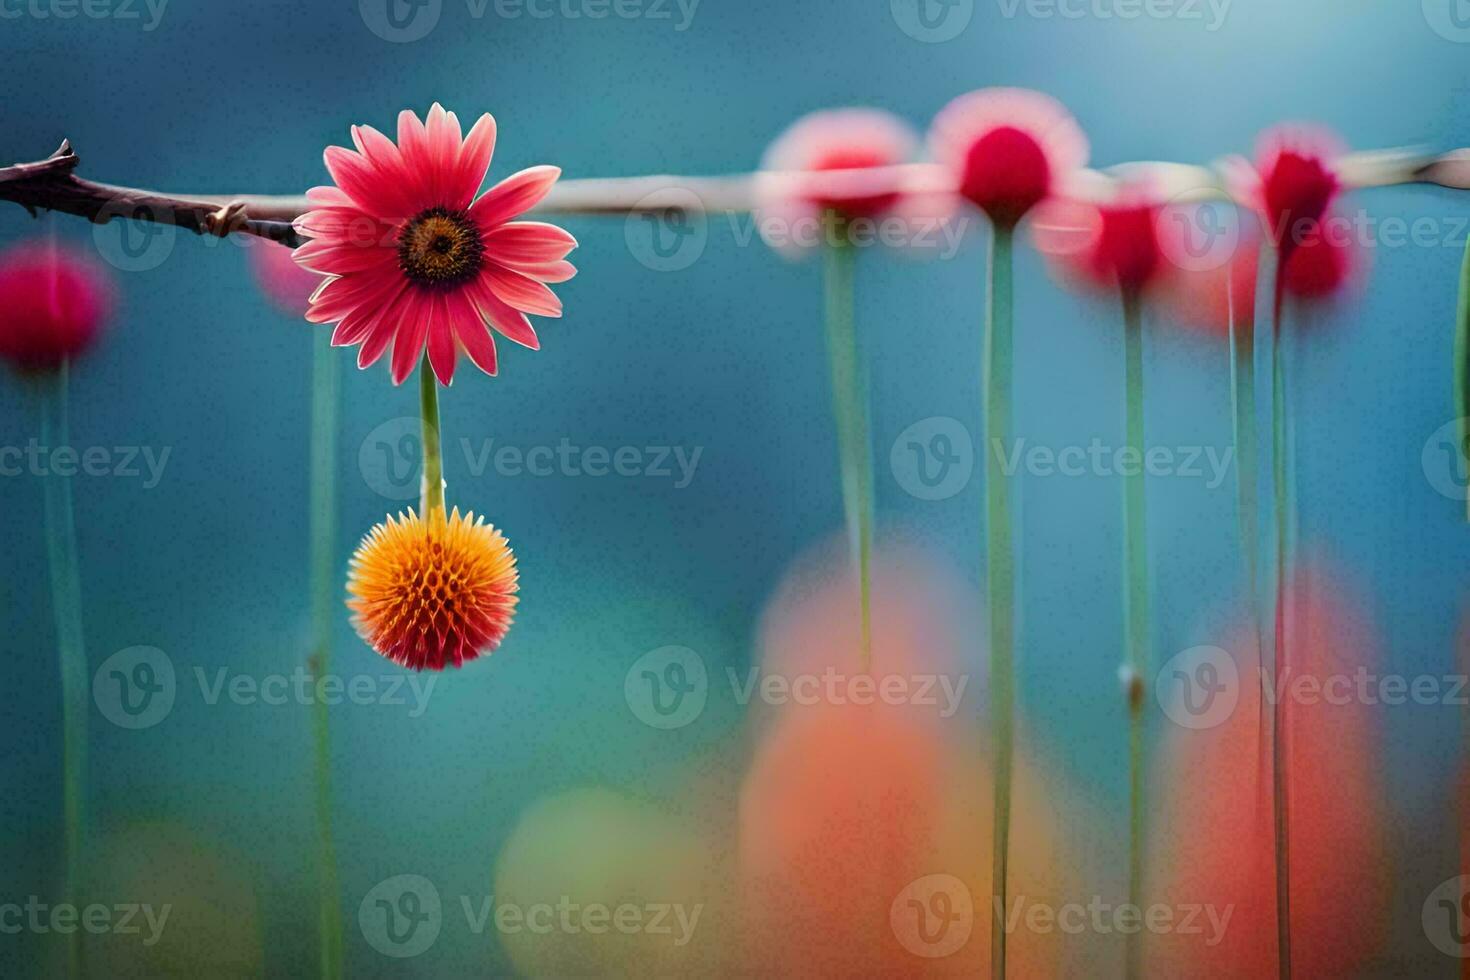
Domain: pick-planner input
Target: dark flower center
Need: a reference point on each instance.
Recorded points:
(440, 248)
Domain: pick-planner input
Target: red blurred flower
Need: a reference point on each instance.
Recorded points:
(1217, 831)
(285, 284)
(1322, 267)
(53, 300)
(1008, 149)
(837, 160)
(1292, 183)
(1115, 245)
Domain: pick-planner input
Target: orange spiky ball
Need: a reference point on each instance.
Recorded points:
(430, 592)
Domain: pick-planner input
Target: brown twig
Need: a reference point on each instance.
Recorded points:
(52, 184)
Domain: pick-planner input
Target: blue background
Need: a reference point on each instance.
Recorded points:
(727, 355)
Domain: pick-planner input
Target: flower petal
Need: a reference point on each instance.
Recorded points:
(528, 241)
(333, 259)
(441, 342)
(510, 322)
(473, 162)
(362, 182)
(474, 336)
(548, 272)
(513, 196)
(522, 292)
(384, 329)
(413, 143)
(413, 329)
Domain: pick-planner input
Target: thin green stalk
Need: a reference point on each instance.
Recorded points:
(1279, 755)
(1000, 572)
(433, 497)
(1462, 372)
(850, 406)
(323, 532)
(1135, 609)
(66, 600)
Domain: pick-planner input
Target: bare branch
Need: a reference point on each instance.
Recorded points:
(52, 184)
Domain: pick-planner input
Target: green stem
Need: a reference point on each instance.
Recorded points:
(1462, 369)
(66, 598)
(850, 407)
(433, 497)
(1135, 609)
(323, 533)
(1279, 746)
(1243, 404)
(998, 371)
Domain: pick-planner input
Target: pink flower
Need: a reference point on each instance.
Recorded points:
(1115, 245)
(799, 183)
(52, 304)
(1008, 149)
(1293, 182)
(287, 285)
(417, 260)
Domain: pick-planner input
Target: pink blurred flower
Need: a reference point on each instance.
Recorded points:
(1292, 183)
(53, 300)
(1008, 149)
(1113, 245)
(417, 260)
(285, 284)
(1217, 832)
(866, 144)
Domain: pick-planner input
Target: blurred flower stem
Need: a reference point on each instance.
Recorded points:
(850, 408)
(1136, 623)
(66, 601)
(1000, 570)
(433, 497)
(323, 496)
(1462, 368)
(1281, 493)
